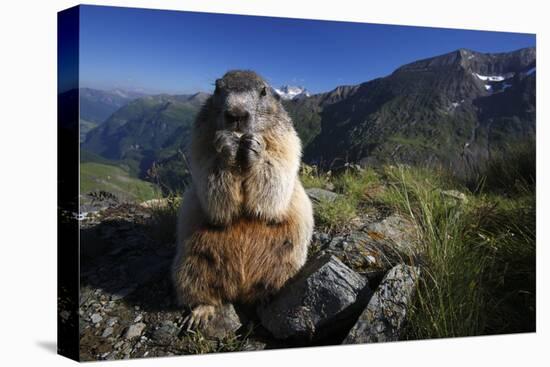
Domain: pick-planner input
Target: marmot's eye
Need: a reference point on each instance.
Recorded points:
(263, 92)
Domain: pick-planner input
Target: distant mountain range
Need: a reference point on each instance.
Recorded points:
(96, 106)
(454, 110)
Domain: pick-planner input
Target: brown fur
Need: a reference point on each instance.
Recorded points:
(246, 261)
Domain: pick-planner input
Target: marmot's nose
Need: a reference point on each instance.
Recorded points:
(236, 115)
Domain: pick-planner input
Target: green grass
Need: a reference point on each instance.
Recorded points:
(334, 216)
(357, 186)
(478, 270)
(116, 180)
(310, 177)
(354, 188)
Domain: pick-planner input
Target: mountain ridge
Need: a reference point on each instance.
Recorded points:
(423, 112)
(453, 110)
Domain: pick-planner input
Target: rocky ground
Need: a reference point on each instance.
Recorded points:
(355, 288)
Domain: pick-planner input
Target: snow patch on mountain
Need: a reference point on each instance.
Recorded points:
(491, 78)
(291, 92)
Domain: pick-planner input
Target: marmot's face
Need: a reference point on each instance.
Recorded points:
(244, 102)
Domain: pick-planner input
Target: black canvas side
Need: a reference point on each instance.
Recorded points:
(68, 182)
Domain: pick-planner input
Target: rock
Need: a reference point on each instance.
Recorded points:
(318, 195)
(96, 318)
(377, 246)
(395, 230)
(166, 333)
(323, 294)
(384, 316)
(135, 330)
(107, 332)
(323, 238)
(225, 323)
(358, 251)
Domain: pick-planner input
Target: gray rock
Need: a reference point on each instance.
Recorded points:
(107, 332)
(225, 322)
(325, 293)
(378, 245)
(166, 333)
(395, 230)
(317, 195)
(96, 318)
(358, 251)
(112, 321)
(383, 318)
(135, 330)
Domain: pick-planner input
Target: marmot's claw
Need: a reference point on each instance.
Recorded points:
(198, 317)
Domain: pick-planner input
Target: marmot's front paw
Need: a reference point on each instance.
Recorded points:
(199, 316)
(250, 149)
(226, 144)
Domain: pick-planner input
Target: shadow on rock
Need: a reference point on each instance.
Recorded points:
(120, 259)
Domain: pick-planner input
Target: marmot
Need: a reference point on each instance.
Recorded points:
(245, 222)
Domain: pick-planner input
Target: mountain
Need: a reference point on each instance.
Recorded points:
(97, 105)
(287, 92)
(145, 130)
(454, 110)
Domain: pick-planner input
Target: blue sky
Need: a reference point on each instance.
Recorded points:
(183, 52)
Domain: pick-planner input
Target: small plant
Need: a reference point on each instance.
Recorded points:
(356, 185)
(353, 188)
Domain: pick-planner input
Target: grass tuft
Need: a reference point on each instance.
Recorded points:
(478, 266)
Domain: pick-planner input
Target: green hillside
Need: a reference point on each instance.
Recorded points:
(85, 127)
(116, 180)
